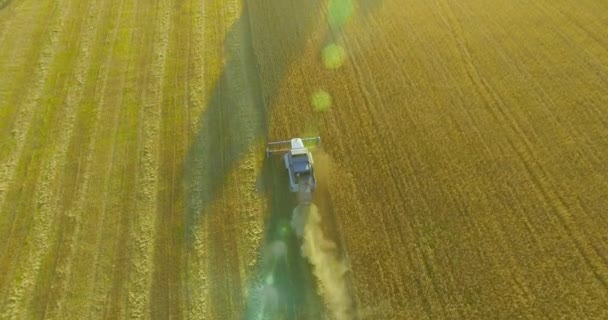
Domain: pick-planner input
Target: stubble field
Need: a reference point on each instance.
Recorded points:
(463, 171)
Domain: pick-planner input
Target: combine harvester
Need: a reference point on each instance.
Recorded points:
(299, 164)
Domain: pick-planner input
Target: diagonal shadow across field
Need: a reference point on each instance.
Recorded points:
(258, 49)
(237, 113)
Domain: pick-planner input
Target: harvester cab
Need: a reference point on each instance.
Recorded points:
(298, 162)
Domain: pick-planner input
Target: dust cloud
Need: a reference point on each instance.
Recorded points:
(329, 269)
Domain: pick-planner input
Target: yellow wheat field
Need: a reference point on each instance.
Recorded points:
(463, 173)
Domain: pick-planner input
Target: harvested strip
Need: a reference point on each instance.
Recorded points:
(22, 287)
(142, 259)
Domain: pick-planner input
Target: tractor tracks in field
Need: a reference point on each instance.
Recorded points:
(212, 227)
(101, 118)
(168, 298)
(206, 66)
(79, 166)
(571, 28)
(106, 226)
(376, 117)
(20, 113)
(455, 232)
(524, 149)
(498, 109)
(421, 259)
(521, 139)
(83, 152)
(45, 195)
(563, 204)
(21, 38)
(22, 133)
(82, 42)
(147, 184)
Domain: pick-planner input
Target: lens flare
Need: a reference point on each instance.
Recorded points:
(333, 56)
(321, 101)
(339, 12)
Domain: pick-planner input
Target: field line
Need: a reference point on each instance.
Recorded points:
(375, 104)
(21, 288)
(197, 289)
(55, 170)
(105, 287)
(76, 95)
(93, 187)
(26, 107)
(147, 184)
(537, 174)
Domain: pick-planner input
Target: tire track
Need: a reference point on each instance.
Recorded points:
(82, 42)
(563, 126)
(140, 279)
(11, 172)
(167, 286)
(523, 258)
(430, 259)
(90, 208)
(567, 38)
(538, 175)
(481, 84)
(524, 160)
(590, 59)
(90, 119)
(449, 18)
(222, 294)
(108, 287)
(19, 114)
(208, 59)
(375, 101)
(23, 286)
(76, 183)
(480, 228)
(197, 291)
(483, 257)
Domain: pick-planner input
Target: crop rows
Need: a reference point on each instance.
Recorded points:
(463, 170)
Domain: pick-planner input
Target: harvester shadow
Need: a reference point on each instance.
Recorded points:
(280, 265)
(235, 118)
(237, 114)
